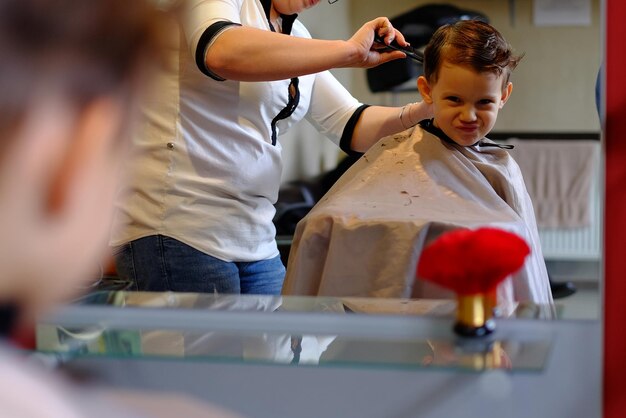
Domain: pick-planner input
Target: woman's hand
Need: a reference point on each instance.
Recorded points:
(369, 53)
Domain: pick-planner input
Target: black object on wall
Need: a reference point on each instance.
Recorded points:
(417, 26)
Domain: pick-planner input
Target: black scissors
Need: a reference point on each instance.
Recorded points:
(408, 50)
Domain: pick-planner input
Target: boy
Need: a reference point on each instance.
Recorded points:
(365, 236)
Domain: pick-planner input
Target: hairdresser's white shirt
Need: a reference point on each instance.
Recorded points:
(204, 170)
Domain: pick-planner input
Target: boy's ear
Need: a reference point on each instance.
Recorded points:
(424, 89)
(506, 93)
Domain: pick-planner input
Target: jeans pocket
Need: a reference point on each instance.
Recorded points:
(124, 264)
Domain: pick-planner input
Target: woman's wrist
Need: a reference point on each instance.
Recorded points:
(350, 53)
(408, 117)
(420, 111)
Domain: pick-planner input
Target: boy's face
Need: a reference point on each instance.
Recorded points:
(465, 102)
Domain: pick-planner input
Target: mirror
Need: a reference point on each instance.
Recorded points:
(553, 101)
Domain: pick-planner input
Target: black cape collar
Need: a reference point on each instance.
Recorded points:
(8, 318)
(429, 126)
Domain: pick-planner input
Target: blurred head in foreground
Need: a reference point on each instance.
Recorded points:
(70, 75)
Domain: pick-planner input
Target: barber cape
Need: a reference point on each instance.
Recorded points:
(365, 236)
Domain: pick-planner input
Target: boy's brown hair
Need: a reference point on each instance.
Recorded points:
(470, 43)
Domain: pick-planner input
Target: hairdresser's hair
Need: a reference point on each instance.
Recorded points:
(82, 49)
(470, 43)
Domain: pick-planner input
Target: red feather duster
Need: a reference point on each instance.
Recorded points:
(472, 261)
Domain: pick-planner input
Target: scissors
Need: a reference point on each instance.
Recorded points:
(408, 50)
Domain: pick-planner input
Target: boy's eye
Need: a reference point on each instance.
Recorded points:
(485, 102)
(453, 99)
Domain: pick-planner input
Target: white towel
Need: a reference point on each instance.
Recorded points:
(558, 177)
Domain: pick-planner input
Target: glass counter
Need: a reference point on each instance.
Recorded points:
(328, 357)
(289, 330)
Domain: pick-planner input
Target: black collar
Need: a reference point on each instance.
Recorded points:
(429, 126)
(8, 317)
(287, 19)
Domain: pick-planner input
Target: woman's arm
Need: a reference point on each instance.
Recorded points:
(377, 122)
(352, 126)
(249, 54)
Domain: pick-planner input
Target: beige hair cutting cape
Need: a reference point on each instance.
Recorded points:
(365, 236)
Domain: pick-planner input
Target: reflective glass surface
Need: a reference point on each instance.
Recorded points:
(312, 331)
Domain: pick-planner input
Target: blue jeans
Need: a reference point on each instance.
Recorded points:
(160, 263)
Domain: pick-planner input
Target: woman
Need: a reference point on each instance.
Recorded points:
(207, 169)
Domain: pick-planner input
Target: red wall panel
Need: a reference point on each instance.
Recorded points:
(615, 213)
